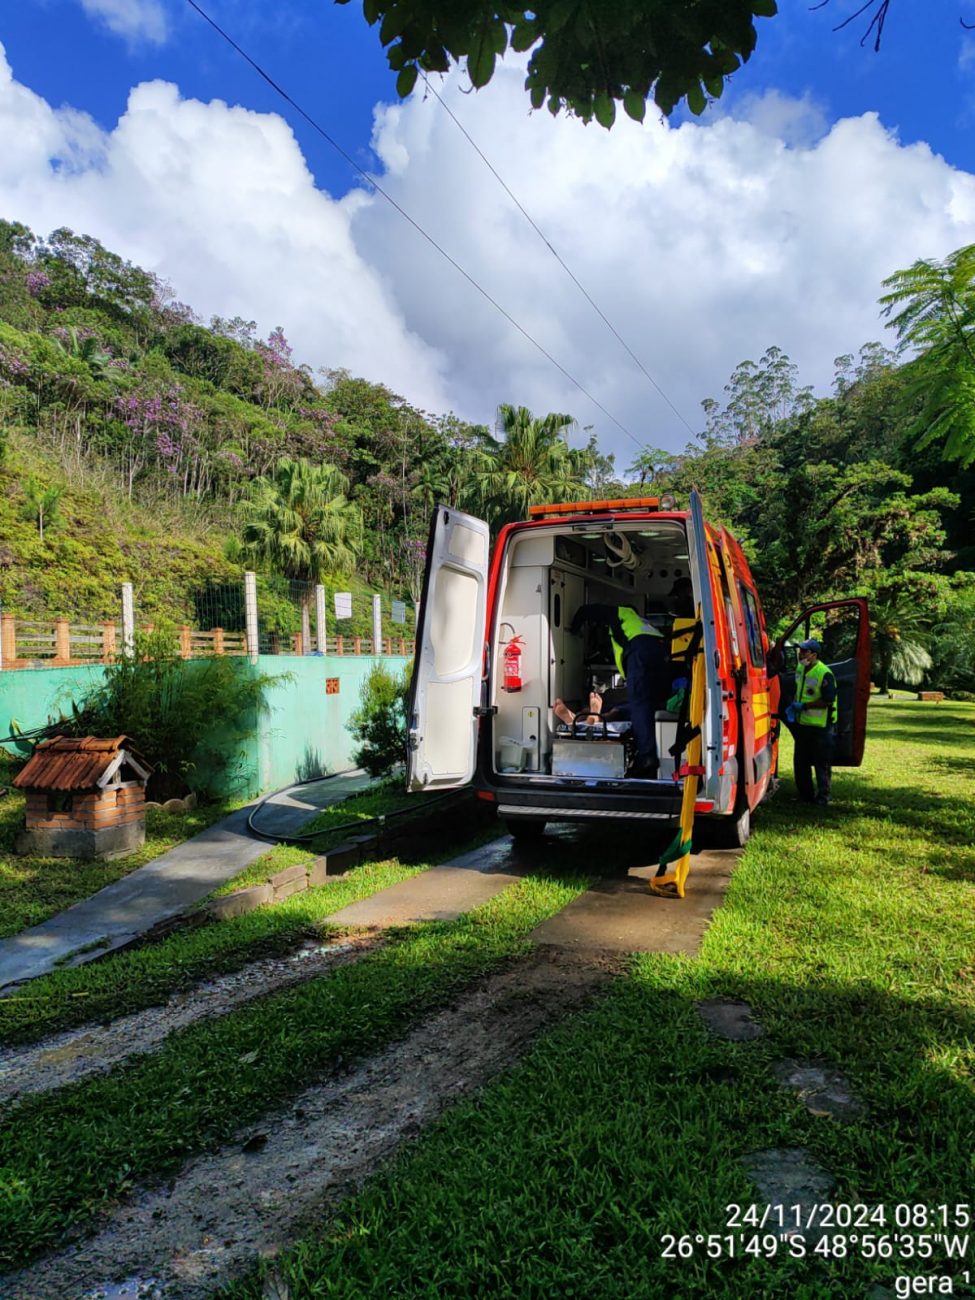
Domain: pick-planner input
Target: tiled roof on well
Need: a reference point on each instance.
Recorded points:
(74, 762)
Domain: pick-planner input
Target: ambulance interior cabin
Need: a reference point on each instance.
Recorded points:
(548, 575)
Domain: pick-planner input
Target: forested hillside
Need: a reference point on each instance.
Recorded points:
(138, 444)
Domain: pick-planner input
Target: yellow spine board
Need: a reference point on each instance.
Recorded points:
(672, 884)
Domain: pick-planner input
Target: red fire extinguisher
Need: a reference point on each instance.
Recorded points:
(512, 664)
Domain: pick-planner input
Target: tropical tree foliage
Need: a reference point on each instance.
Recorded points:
(300, 522)
(588, 58)
(585, 58)
(932, 308)
(530, 464)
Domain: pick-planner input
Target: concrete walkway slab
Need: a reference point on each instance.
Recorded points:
(621, 915)
(618, 914)
(165, 886)
(441, 893)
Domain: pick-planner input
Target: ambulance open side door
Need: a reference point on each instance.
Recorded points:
(445, 693)
(846, 652)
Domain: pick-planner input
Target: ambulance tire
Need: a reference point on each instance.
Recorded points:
(525, 829)
(731, 832)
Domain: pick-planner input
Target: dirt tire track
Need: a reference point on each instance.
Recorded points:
(253, 1196)
(95, 1048)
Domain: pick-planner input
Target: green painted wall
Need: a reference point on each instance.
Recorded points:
(303, 735)
(35, 696)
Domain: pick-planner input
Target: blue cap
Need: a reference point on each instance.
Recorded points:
(811, 644)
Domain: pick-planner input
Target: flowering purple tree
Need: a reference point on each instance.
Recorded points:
(36, 281)
(282, 383)
(163, 429)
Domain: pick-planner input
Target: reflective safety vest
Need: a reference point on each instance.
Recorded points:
(809, 690)
(632, 626)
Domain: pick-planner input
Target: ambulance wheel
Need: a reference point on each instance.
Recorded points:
(525, 828)
(731, 832)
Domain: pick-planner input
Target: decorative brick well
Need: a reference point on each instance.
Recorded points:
(85, 798)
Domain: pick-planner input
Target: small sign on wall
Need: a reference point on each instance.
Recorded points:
(331, 686)
(343, 604)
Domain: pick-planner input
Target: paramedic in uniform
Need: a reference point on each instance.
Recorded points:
(641, 655)
(813, 724)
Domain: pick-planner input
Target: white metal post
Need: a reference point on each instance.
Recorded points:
(250, 614)
(377, 625)
(128, 619)
(321, 632)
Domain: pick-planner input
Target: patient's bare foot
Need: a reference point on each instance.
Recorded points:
(595, 703)
(563, 712)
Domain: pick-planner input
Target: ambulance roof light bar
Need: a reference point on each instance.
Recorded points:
(665, 502)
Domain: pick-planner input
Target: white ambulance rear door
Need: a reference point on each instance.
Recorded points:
(445, 693)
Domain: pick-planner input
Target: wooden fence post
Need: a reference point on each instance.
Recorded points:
(340, 645)
(8, 631)
(357, 645)
(218, 640)
(387, 646)
(402, 645)
(185, 641)
(62, 641)
(108, 642)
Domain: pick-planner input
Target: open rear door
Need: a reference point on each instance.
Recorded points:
(446, 688)
(711, 726)
(843, 628)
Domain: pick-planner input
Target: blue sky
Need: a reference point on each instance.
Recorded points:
(769, 221)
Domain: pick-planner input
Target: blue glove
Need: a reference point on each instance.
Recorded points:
(793, 711)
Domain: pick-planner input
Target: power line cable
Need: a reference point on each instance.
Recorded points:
(406, 216)
(581, 287)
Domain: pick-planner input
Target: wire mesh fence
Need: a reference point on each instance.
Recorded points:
(290, 618)
(300, 618)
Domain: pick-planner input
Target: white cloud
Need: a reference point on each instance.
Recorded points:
(704, 244)
(218, 201)
(136, 19)
(798, 122)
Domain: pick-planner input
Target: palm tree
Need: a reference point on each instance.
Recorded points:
(898, 625)
(301, 523)
(932, 307)
(531, 465)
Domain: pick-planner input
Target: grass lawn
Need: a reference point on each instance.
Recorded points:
(336, 823)
(851, 932)
(34, 888)
(145, 976)
(66, 1153)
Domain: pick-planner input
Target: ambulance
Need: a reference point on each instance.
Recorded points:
(495, 657)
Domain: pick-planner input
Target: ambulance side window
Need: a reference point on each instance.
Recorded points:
(753, 625)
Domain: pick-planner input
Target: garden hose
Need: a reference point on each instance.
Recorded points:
(379, 820)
